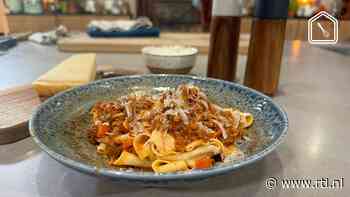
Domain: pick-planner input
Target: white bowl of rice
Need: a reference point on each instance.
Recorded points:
(170, 59)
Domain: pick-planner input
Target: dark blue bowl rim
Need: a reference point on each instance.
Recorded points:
(123, 175)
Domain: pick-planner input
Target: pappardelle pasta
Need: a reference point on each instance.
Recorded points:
(176, 130)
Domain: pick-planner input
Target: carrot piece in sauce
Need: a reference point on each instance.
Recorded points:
(204, 163)
(127, 144)
(102, 130)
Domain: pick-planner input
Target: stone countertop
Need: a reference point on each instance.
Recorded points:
(314, 90)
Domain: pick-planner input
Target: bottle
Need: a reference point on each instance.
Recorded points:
(224, 39)
(266, 45)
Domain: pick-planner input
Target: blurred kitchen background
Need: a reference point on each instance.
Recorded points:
(169, 15)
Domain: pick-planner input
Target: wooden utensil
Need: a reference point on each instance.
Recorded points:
(224, 40)
(265, 56)
(17, 105)
(266, 45)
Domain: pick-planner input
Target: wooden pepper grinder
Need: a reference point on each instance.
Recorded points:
(224, 39)
(266, 45)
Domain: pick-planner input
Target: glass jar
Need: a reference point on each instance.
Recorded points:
(32, 6)
(15, 6)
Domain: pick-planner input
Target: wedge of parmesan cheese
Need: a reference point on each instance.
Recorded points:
(74, 71)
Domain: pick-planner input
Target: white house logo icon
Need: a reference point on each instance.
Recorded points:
(323, 29)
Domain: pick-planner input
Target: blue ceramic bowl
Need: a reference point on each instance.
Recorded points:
(59, 124)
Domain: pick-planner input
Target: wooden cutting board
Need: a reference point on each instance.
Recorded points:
(18, 104)
(84, 43)
(16, 107)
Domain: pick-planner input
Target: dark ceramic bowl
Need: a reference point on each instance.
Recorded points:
(59, 125)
